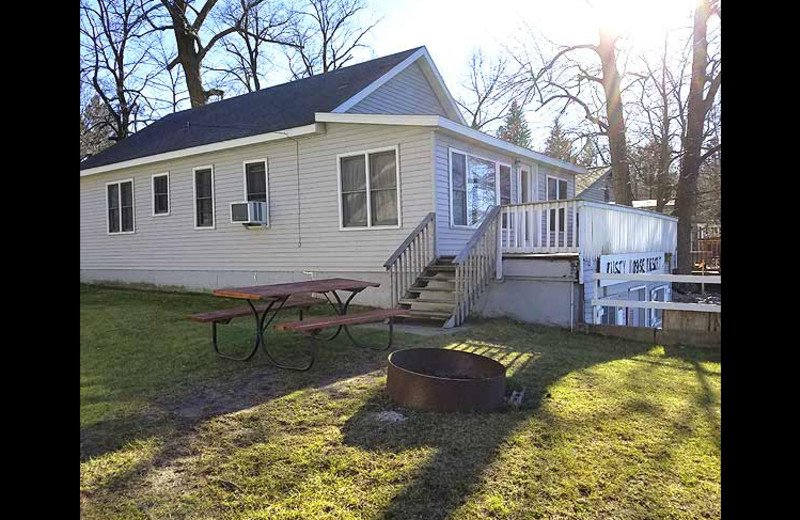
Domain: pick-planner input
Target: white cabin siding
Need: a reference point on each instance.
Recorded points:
(407, 93)
(452, 239)
(171, 242)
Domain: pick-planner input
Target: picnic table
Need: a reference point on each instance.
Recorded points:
(277, 297)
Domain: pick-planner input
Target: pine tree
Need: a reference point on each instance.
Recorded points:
(558, 145)
(515, 128)
(96, 130)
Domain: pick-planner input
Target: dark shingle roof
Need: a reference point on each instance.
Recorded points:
(268, 110)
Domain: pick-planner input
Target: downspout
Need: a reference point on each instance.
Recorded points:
(572, 307)
(297, 170)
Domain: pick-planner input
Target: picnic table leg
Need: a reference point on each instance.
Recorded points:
(340, 308)
(263, 327)
(259, 334)
(343, 310)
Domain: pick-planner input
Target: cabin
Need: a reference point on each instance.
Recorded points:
(366, 172)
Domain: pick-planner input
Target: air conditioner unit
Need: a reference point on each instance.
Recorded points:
(250, 213)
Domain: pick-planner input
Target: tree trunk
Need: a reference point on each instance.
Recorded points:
(190, 60)
(693, 138)
(618, 146)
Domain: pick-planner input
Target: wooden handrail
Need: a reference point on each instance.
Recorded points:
(410, 238)
(476, 264)
(488, 220)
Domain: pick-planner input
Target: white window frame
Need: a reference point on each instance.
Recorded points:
(497, 164)
(244, 176)
(651, 313)
(213, 198)
(631, 310)
(530, 189)
(365, 154)
(153, 194)
(133, 205)
(547, 187)
(266, 183)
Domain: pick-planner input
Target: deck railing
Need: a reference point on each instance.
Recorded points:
(589, 228)
(541, 227)
(409, 261)
(476, 265)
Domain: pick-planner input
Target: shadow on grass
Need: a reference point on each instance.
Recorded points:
(464, 445)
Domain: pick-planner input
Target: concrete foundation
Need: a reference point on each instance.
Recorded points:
(535, 289)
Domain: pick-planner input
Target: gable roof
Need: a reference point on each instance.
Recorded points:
(284, 106)
(584, 182)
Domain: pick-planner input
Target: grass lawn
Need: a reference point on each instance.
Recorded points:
(608, 428)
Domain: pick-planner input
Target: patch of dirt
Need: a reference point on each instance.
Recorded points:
(388, 417)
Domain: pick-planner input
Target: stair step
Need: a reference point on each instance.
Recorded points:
(435, 279)
(442, 268)
(409, 301)
(418, 289)
(432, 315)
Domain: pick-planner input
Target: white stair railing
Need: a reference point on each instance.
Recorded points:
(476, 265)
(409, 261)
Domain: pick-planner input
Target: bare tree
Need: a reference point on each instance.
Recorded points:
(325, 36)
(706, 80)
(488, 90)
(116, 61)
(661, 107)
(169, 93)
(247, 54)
(585, 76)
(193, 38)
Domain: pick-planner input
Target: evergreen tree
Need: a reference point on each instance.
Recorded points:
(515, 128)
(558, 145)
(96, 128)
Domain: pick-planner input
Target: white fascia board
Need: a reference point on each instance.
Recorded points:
(451, 126)
(378, 119)
(394, 71)
(314, 128)
(375, 85)
(454, 110)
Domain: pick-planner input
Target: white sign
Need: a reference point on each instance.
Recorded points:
(630, 263)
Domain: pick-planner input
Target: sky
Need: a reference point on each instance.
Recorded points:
(451, 29)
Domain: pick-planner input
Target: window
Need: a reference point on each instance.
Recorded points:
(476, 184)
(609, 316)
(255, 181)
(657, 295)
(369, 189)
(636, 316)
(119, 203)
(556, 190)
(204, 197)
(160, 188)
(526, 186)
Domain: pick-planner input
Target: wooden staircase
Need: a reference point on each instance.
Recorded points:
(432, 299)
(443, 289)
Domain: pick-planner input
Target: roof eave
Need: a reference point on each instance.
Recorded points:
(447, 125)
(313, 128)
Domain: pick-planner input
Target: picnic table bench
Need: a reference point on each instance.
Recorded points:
(295, 295)
(224, 316)
(310, 328)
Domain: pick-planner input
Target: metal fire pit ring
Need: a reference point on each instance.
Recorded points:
(443, 380)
